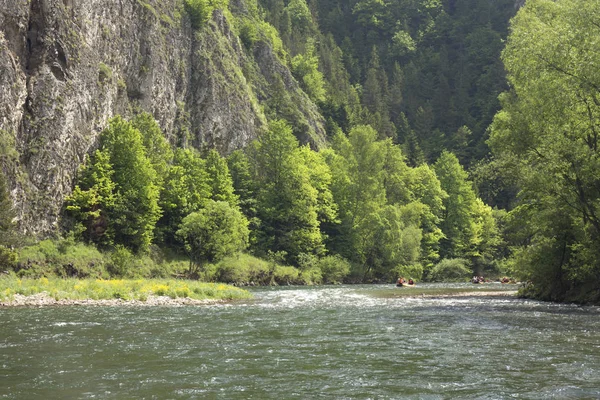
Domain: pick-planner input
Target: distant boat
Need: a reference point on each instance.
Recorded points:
(405, 284)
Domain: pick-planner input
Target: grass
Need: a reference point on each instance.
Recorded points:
(126, 289)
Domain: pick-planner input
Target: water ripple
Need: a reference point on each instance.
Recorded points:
(343, 342)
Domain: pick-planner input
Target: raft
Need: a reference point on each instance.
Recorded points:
(404, 285)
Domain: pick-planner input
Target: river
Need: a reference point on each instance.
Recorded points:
(344, 342)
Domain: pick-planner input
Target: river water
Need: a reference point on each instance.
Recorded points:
(346, 342)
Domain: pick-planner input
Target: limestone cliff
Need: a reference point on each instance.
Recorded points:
(68, 66)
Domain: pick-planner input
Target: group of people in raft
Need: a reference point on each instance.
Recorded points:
(476, 279)
(481, 279)
(403, 282)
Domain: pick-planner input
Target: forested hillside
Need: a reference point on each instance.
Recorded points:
(426, 73)
(311, 141)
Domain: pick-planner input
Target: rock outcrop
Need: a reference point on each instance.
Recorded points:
(67, 67)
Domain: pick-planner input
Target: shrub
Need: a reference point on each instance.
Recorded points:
(79, 260)
(104, 72)
(311, 276)
(285, 275)
(334, 268)
(450, 270)
(248, 34)
(307, 261)
(120, 261)
(201, 10)
(36, 261)
(213, 233)
(243, 269)
(8, 258)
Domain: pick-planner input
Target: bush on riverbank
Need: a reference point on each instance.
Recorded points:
(244, 269)
(67, 258)
(125, 289)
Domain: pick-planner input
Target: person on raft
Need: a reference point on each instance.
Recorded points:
(400, 281)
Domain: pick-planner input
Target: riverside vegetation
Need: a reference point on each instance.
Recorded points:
(427, 173)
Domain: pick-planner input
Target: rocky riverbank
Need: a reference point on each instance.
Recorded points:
(44, 299)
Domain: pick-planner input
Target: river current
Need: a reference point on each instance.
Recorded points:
(344, 342)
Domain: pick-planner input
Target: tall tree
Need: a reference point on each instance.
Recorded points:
(118, 196)
(288, 203)
(219, 179)
(93, 198)
(186, 190)
(157, 148)
(458, 224)
(136, 209)
(549, 128)
(376, 235)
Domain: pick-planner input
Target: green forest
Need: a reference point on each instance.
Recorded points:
(462, 139)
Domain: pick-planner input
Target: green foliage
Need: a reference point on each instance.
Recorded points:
(469, 227)
(269, 32)
(157, 148)
(548, 131)
(406, 80)
(245, 190)
(219, 179)
(451, 270)
(403, 43)
(305, 68)
(214, 232)
(123, 289)
(244, 186)
(116, 200)
(121, 262)
(8, 152)
(69, 258)
(412, 271)
(333, 268)
(135, 209)
(8, 258)
(248, 34)
(288, 202)
(311, 276)
(243, 269)
(7, 216)
(64, 258)
(200, 11)
(186, 190)
(320, 178)
(104, 73)
(377, 231)
(93, 198)
(449, 53)
(457, 224)
(299, 14)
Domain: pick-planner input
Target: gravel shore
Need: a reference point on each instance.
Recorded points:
(43, 299)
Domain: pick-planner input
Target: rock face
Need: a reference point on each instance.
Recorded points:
(68, 66)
